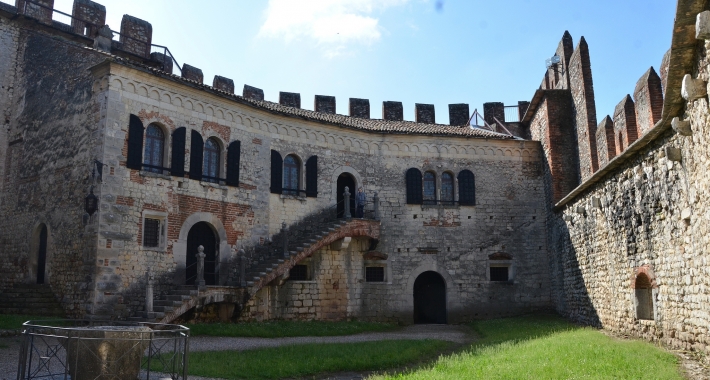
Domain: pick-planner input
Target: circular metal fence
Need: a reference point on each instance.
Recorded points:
(111, 350)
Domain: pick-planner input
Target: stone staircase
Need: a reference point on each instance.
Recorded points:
(30, 299)
(263, 264)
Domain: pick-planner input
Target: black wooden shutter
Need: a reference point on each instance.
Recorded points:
(276, 172)
(177, 162)
(134, 159)
(233, 152)
(312, 177)
(196, 146)
(467, 188)
(414, 186)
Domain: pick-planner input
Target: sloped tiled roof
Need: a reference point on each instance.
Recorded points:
(369, 125)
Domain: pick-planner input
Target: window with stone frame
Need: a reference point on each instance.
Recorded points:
(154, 149)
(210, 161)
(447, 188)
(154, 230)
(500, 268)
(429, 188)
(374, 274)
(299, 272)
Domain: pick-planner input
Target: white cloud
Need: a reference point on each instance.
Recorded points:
(335, 25)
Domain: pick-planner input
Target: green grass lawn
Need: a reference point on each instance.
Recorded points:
(279, 329)
(311, 359)
(548, 347)
(12, 321)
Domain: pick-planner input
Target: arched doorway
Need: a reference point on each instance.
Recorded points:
(430, 298)
(201, 234)
(346, 179)
(42, 254)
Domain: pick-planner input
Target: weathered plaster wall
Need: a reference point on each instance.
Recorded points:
(9, 38)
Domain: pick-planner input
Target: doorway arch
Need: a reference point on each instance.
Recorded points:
(345, 179)
(429, 298)
(202, 234)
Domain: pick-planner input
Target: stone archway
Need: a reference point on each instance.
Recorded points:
(345, 180)
(223, 250)
(202, 234)
(429, 296)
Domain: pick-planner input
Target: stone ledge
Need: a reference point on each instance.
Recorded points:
(214, 185)
(144, 173)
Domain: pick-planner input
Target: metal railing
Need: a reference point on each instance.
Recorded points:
(86, 349)
(512, 114)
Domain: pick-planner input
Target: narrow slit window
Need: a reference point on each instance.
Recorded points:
(429, 188)
(447, 188)
(210, 163)
(291, 175)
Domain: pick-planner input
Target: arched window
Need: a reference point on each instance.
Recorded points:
(154, 149)
(467, 188)
(429, 188)
(643, 297)
(291, 175)
(447, 188)
(210, 161)
(414, 186)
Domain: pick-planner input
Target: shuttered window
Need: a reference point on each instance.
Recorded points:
(154, 149)
(233, 153)
(196, 145)
(467, 188)
(414, 186)
(291, 175)
(276, 172)
(177, 163)
(312, 177)
(210, 161)
(134, 157)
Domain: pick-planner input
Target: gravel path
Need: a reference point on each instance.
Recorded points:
(451, 333)
(10, 346)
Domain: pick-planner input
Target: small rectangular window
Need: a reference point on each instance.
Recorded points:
(499, 273)
(374, 274)
(298, 273)
(151, 232)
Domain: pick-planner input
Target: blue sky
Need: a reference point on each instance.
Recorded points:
(413, 51)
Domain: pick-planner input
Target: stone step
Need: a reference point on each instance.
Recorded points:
(250, 283)
(176, 297)
(163, 309)
(191, 292)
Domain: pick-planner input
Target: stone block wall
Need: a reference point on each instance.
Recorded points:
(646, 216)
(48, 186)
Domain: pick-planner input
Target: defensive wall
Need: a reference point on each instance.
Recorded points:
(629, 237)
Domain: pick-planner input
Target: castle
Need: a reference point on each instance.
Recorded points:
(130, 189)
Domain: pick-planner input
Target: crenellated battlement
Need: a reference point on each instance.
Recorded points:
(135, 43)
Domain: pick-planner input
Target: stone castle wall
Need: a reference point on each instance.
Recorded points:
(51, 124)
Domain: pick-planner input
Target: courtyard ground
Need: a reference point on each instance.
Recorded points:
(522, 345)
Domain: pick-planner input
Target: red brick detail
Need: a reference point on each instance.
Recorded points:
(374, 255)
(221, 130)
(552, 126)
(625, 130)
(136, 176)
(182, 206)
(126, 201)
(647, 270)
(449, 220)
(152, 207)
(648, 96)
(256, 141)
(153, 116)
(606, 141)
(108, 243)
(585, 113)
